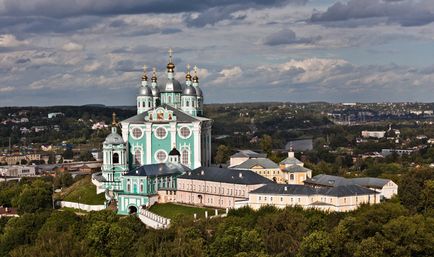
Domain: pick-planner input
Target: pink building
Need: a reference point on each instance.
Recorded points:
(217, 187)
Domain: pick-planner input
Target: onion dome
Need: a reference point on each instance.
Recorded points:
(195, 78)
(155, 91)
(198, 91)
(188, 75)
(174, 152)
(144, 76)
(189, 90)
(172, 85)
(170, 66)
(114, 139)
(154, 75)
(145, 91)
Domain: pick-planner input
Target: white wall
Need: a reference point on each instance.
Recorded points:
(84, 207)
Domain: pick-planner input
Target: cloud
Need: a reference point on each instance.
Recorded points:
(228, 74)
(286, 37)
(403, 12)
(55, 8)
(92, 67)
(6, 89)
(71, 47)
(10, 41)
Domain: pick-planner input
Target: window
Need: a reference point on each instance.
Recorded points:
(161, 132)
(291, 177)
(169, 99)
(161, 156)
(184, 132)
(115, 158)
(185, 156)
(149, 104)
(141, 187)
(281, 199)
(128, 188)
(138, 157)
(187, 103)
(137, 133)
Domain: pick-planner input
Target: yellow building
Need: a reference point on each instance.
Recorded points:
(293, 170)
(340, 199)
(264, 167)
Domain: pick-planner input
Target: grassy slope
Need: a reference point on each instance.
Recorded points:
(170, 210)
(83, 191)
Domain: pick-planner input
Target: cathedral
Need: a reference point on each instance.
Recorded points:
(167, 137)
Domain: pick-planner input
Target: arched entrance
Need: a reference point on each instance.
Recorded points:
(200, 199)
(132, 209)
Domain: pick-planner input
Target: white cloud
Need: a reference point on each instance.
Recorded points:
(6, 89)
(9, 40)
(92, 67)
(227, 74)
(71, 46)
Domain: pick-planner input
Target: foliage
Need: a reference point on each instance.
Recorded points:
(223, 154)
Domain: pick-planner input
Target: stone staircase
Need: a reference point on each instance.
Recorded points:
(153, 220)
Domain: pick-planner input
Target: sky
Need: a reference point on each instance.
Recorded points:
(75, 52)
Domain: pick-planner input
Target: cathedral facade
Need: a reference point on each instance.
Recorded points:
(168, 136)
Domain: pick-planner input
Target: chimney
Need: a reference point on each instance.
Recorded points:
(291, 154)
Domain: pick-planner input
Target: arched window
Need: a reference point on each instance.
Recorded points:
(291, 177)
(187, 103)
(149, 104)
(141, 187)
(138, 157)
(128, 187)
(192, 103)
(115, 158)
(185, 156)
(169, 99)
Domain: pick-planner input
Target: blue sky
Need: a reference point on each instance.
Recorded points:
(92, 51)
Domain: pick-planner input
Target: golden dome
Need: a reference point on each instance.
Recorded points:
(154, 75)
(195, 78)
(188, 76)
(144, 77)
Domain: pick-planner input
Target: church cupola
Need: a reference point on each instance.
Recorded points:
(145, 98)
(154, 88)
(199, 93)
(188, 98)
(174, 155)
(171, 92)
(114, 154)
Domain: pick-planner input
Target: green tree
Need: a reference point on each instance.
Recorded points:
(427, 195)
(317, 243)
(266, 144)
(34, 197)
(223, 154)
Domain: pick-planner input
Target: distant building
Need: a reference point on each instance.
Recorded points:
(340, 199)
(293, 170)
(18, 171)
(264, 167)
(243, 155)
(19, 158)
(217, 187)
(38, 129)
(300, 145)
(386, 187)
(8, 212)
(400, 152)
(99, 125)
(373, 134)
(55, 114)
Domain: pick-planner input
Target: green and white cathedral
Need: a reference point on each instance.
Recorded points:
(167, 137)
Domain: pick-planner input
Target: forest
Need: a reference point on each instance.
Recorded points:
(402, 226)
